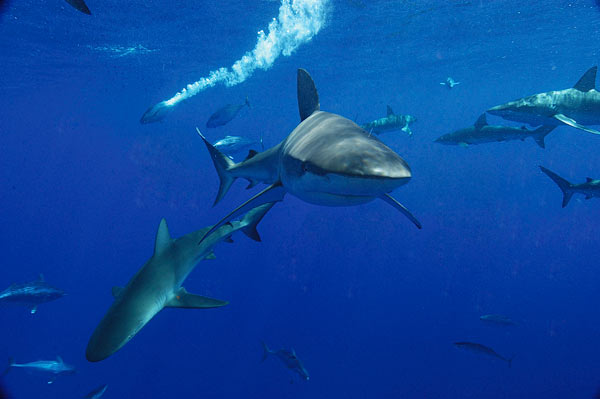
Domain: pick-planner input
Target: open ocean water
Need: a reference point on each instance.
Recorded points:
(371, 305)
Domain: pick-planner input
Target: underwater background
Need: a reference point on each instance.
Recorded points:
(370, 304)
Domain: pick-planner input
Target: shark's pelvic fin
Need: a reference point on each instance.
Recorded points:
(273, 193)
(80, 5)
(563, 184)
(184, 299)
(481, 122)
(163, 238)
(117, 291)
(253, 218)
(222, 163)
(389, 111)
(573, 123)
(588, 81)
(308, 98)
(392, 201)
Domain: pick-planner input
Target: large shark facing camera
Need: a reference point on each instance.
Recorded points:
(326, 160)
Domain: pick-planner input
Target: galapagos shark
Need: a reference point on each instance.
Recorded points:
(289, 358)
(326, 160)
(53, 367)
(590, 188)
(481, 133)
(482, 349)
(158, 284)
(577, 107)
(31, 294)
(390, 123)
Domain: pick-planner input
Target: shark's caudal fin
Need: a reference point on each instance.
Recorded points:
(266, 351)
(588, 81)
(11, 361)
(253, 218)
(273, 193)
(80, 5)
(563, 184)
(222, 163)
(163, 238)
(573, 123)
(308, 98)
(392, 201)
(540, 134)
(184, 299)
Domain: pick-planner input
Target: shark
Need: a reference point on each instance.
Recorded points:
(577, 107)
(289, 358)
(483, 350)
(481, 133)
(590, 188)
(225, 114)
(390, 123)
(326, 160)
(497, 319)
(31, 294)
(158, 284)
(53, 367)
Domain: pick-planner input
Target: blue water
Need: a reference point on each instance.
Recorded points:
(370, 304)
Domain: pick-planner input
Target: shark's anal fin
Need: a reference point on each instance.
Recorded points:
(588, 81)
(392, 201)
(274, 193)
(184, 299)
(308, 98)
(571, 122)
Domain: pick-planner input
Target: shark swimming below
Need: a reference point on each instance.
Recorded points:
(289, 358)
(481, 133)
(391, 122)
(497, 319)
(483, 350)
(577, 107)
(326, 160)
(590, 188)
(52, 367)
(31, 294)
(157, 284)
(231, 145)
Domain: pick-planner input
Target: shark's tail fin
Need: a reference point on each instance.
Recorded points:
(266, 351)
(11, 362)
(222, 163)
(253, 218)
(563, 184)
(540, 134)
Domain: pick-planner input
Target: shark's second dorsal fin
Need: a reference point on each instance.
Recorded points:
(163, 238)
(389, 111)
(308, 98)
(587, 81)
(481, 122)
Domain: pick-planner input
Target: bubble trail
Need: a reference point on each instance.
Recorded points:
(298, 22)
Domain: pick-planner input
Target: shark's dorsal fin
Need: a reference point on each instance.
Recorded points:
(308, 98)
(116, 291)
(480, 122)
(59, 359)
(389, 111)
(251, 154)
(41, 279)
(163, 238)
(587, 81)
(184, 299)
(588, 179)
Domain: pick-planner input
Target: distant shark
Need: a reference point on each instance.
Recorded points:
(31, 294)
(326, 160)
(158, 283)
(577, 107)
(590, 188)
(449, 82)
(481, 133)
(53, 367)
(289, 358)
(225, 114)
(390, 123)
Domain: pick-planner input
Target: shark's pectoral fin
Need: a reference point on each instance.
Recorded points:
(392, 201)
(406, 129)
(184, 299)
(80, 6)
(117, 291)
(274, 193)
(573, 123)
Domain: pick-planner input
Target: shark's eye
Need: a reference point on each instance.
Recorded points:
(304, 166)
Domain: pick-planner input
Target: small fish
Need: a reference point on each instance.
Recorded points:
(482, 349)
(288, 358)
(225, 115)
(449, 83)
(31, 294)
(53, 367)
(96, 393)
(231, 145)
(80, 6)
(497, 319)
